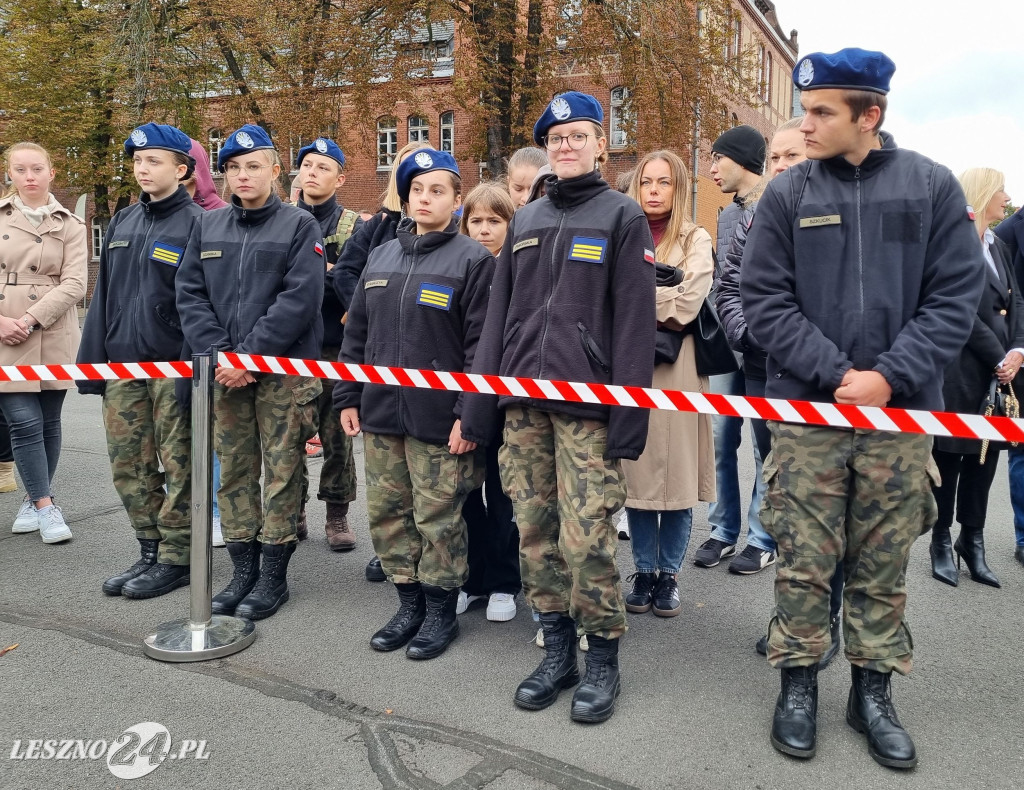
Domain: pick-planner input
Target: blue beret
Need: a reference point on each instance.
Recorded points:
(158, 135)
(243, 140)
(324, 146)
(854, 69)
(566, 107)
(422, 161)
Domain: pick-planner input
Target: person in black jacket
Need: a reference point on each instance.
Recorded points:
(420, 303)
(572, 299)
(250, 282)
(861, 277)
(994, 350)
(133, 318)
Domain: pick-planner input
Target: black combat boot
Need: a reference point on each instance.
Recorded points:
(148, 548)
(640, 598)
(970, 547)
(666, 596)
(271, 590)
(870, 711)
(835, 628)
(941, 550)
(440, 626)
(558, 668)
(406, 622)
(246, 558)
(158, 580)
(594, 699)
(374, 572)
(795, 725)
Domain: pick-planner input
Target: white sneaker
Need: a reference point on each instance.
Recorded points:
(26, 520)
(622, 525)
(501, 607)
(465, 600)
(216, 534)
(52, 528)
(539, 641)
(584, 644)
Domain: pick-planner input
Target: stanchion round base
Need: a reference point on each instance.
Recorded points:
(180, 640)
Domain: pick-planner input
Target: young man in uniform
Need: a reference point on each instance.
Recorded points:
(861, 278)
(321, 167)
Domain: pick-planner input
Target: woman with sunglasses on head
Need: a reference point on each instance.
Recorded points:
(572, 299)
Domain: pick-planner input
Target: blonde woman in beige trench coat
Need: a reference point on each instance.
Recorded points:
(42, 277)
(677, 468)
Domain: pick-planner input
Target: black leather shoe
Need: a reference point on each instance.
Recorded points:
(246, 560)
(795, 724)
(147, 560)
(941, 550)
(558, 669)
(440, 626)
(406, 622)
(666, 596)
(159, 580)
(870, 711)
(761, 646)
(1019, 554)
(835, 628)
(374, 572)
(970, 547)
(594, 698)
(639, 599)
(271, 590)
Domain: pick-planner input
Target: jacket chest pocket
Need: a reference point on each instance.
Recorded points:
(271, 263)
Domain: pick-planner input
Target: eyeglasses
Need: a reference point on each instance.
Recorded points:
(576, 141)
(252, 169)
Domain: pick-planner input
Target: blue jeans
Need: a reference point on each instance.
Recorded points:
(216, 484)
(34, 420)
(1016, 456)
(724, 515)
(659, 546)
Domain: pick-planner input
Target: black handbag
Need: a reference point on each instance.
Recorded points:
(999, 402)
(667, 345)
(713, 353)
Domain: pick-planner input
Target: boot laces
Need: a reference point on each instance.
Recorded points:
(800, 692)
(879, 692)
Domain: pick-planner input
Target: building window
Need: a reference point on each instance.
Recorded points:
(387, 142)
(734, 120)
(767, 92)
(737, 38)
(618, 117)
(215, 142)
(295, 145)
(97, 239)
(448, 132)
(419, 131)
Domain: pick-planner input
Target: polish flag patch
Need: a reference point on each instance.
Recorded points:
(970, 213)
(648, 256)
(318, 248)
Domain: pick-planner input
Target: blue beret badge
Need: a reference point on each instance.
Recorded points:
(244, 140)
(423, 159)
(805, 75)
(139, 138)
(560, 108)
(321, 145)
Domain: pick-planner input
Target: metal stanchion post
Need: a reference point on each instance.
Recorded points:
(202, 635)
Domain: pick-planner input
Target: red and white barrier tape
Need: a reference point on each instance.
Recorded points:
(965, 426)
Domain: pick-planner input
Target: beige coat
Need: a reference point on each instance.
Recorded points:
(677, 467)
(42, 273)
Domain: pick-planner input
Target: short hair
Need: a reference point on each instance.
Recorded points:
(389, 198)
(860, 102)
(792, 123)
(489, 196)
(980, 184)
(527, 157)
(22, 146)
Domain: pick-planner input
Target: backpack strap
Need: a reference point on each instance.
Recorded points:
(346, 223)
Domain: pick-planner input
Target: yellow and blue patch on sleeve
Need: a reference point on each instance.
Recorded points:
(166, 253)
(587, 249)
(437, 296)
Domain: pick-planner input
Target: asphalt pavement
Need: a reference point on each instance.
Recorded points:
(310, 705)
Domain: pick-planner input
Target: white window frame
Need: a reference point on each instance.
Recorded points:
(447, 126)
(419, 129)
(387, 147)
(215, 140)
(97, 231)
(617, 137)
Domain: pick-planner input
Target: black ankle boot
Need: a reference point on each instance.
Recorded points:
(558, 669)
(440, 626)
(406, 622)
(941, 550)
(640, 598)
(246, 560)
(666, 596)
(795, 724)
(374, 572)
(870, 711)
(271, 590)
(970, 547)
(835, 628)
(594, 699)
(147, 560)
(159, 580)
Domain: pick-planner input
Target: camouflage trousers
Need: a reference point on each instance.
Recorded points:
(414, 497)
(263, 424)
(338, 473)
(564, 492)
(859, 496)
(147, 429)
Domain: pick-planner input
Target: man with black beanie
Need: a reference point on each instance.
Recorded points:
(737, 166)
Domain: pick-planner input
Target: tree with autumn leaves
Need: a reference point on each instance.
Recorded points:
(80, 73)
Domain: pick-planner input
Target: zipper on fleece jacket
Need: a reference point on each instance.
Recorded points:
(238, 277)
(551, 293)
(142, 268)
(401, 325)
(860, 259)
